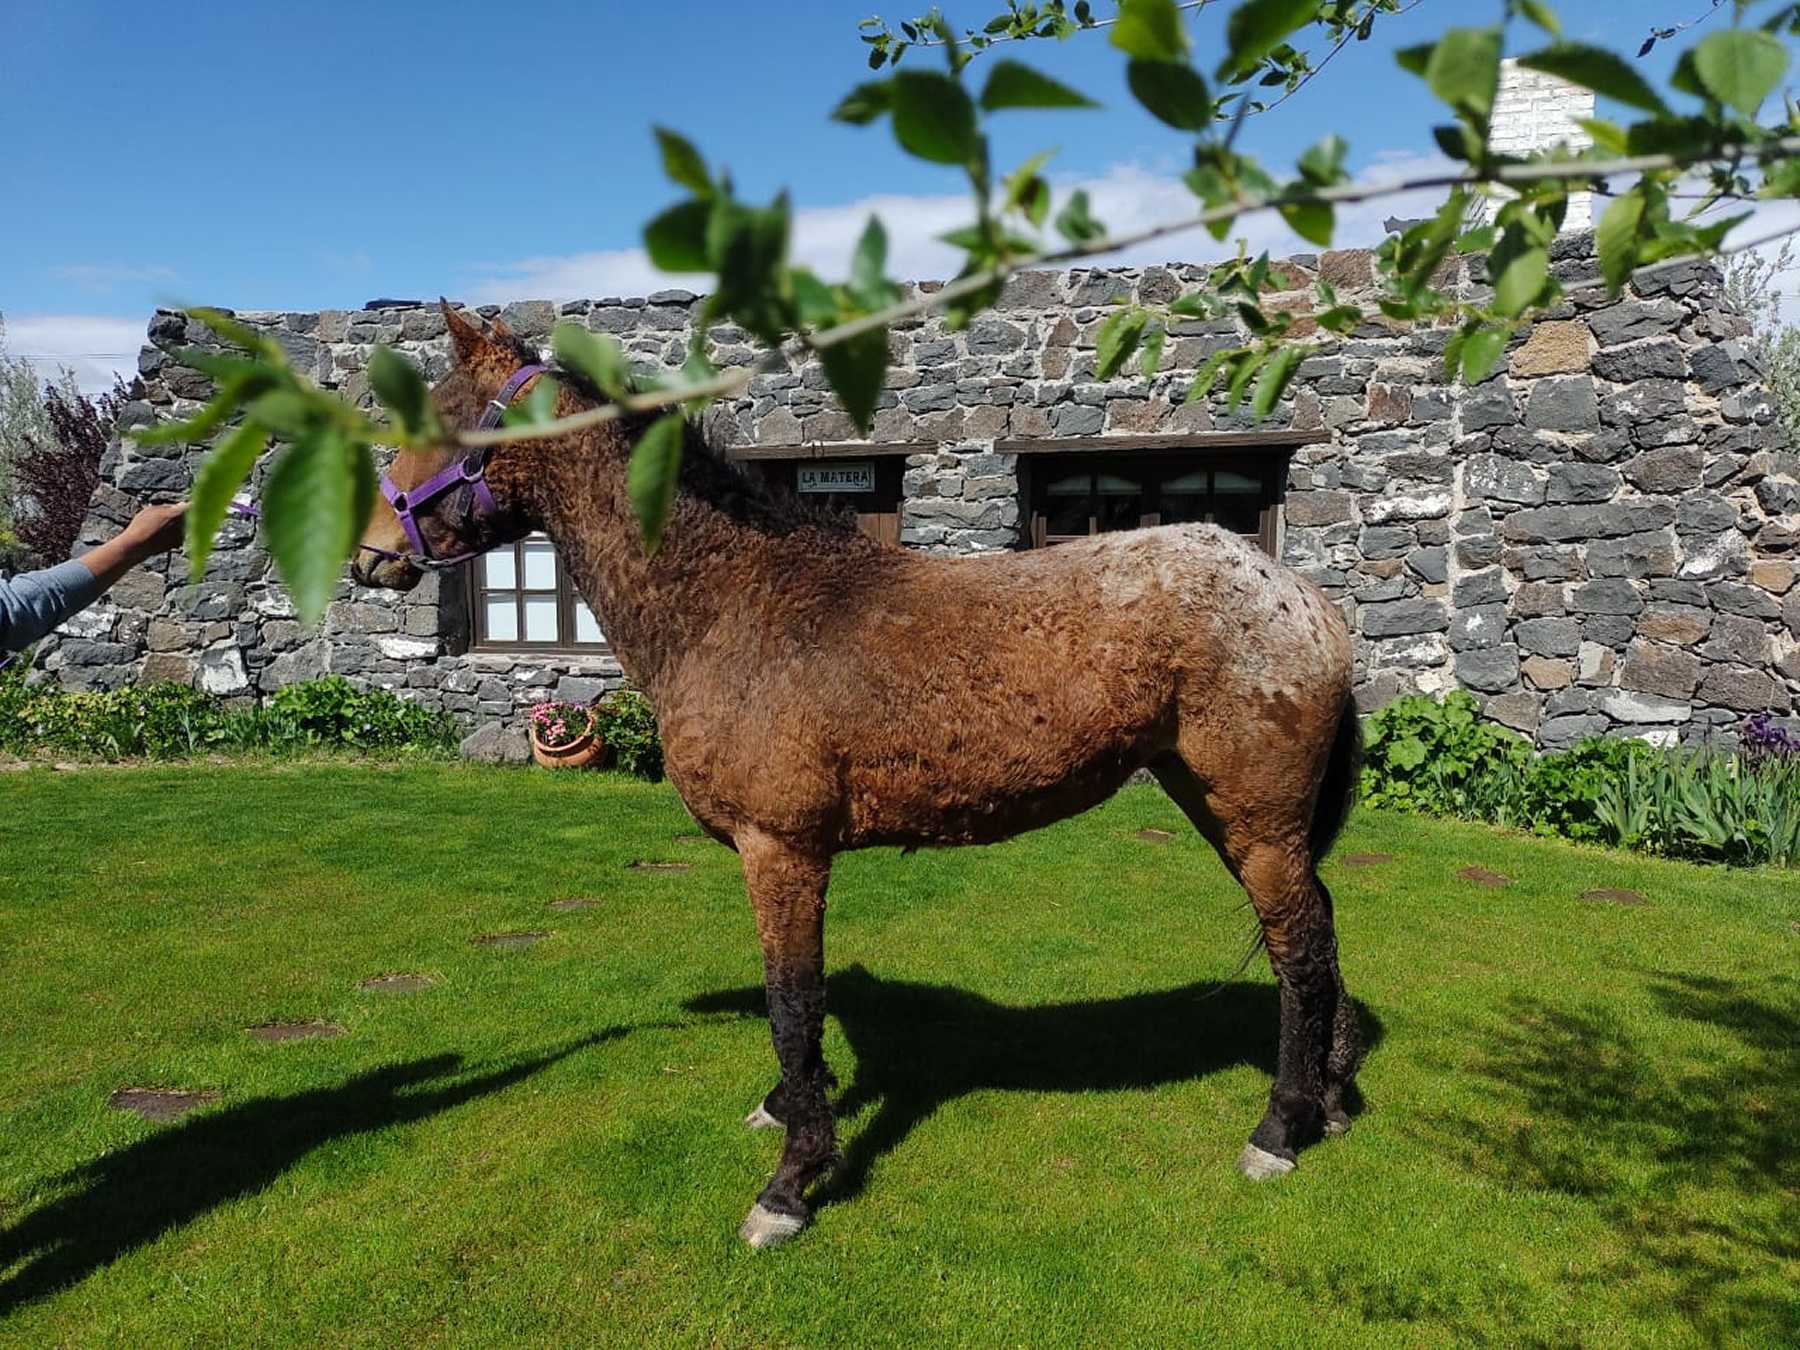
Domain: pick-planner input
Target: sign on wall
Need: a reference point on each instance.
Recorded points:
(837, 475)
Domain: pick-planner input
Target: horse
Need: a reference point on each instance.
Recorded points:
(820, 691)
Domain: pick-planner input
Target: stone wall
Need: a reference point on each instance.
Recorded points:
(1602, 537)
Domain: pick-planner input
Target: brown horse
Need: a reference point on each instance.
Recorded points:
(819, 691)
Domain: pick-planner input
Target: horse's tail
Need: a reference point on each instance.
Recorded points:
(1337, 790)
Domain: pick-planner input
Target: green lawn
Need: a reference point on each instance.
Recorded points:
(1580, 1122)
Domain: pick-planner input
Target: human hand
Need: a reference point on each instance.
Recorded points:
(156, 529)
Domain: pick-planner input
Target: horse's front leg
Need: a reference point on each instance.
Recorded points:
(787, 892)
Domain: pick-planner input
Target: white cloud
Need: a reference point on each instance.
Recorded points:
(94, 346)
(1127, 197)
(99, 278)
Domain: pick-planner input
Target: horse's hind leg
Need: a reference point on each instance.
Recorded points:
(787, 892)
(1266, 847)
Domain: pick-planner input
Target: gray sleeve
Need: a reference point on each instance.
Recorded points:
(33, 603)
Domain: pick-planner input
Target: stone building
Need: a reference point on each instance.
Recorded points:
(1602, 537)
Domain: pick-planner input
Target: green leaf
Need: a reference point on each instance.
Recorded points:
(402, 390)
(1464, 70)
(676, 239)
(1075, 224)
(857, 368)
(599, 360)
(870, 258)
(817, 303)
(537, 408)
(219, 477)
(1246, 367)
(1013, 85)
(1407, 753)
(1117, 340)
(1606, 73)
(1481, 352)
(1615, 239)
(653, 475)
(1172, 91)
(196, 428)
(683, 163)
(1276, 374)
(1415, 60)
(1542, 15)
(1739, 67)
(314, 509)
(1608, 136)
(1151, 360)
(1026, 189)
(1150, 30)
(1256, 26)
(1323, 162)
(1208, 374)
(289, 413)
(934, 118)
(863, 104)
(1312, 221)
(1519, 271)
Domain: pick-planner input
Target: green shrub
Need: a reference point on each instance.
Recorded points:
(167, 721)
(1442, 759)
(627, 723)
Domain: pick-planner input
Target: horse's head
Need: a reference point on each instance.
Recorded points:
(481, 506)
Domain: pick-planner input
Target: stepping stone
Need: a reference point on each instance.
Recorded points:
(522, 938)
(400, 982)
(564, 906)
(642, 865)
(1155, 836)
(295, 1031)
(1365, 859)
(159, 1104)
(1614, 895)
(1486, 878)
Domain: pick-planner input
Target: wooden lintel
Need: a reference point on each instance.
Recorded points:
(831, 450)
(1199, 442)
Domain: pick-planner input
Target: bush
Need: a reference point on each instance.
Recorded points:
(627, 722)
(1442, 759)
(171, 721)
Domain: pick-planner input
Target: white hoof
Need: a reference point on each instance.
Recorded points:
(760, 1119)
(765, 1228)
(1336, 1129)
(1261, 1165)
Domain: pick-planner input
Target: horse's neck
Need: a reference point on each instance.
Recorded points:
(654, 607)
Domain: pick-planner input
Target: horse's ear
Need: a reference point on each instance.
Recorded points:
(497, 326)
(465, 337)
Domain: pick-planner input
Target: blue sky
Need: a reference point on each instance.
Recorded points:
(269, 155)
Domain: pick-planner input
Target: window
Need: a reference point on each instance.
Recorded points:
(1074, 496)
(522, 599)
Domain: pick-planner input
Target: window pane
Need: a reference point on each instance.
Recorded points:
(1120, 503)
(1224, 481)
(498, 572)
(540, 564)
(1066, 503)
(1194, 482)
(1238, 513)
(1183, 508)
(502, 619)
(1074, 485)
(587, 627)
(540, 618)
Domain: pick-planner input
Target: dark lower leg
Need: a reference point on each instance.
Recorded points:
(1302, 950)
(796, 1022)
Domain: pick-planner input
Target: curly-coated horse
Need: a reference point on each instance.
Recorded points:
(820, 691)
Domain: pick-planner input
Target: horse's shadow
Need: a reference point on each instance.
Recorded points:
(124, 1199)
(918, 1046)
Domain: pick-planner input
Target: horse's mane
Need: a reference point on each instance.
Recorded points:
(711, 476)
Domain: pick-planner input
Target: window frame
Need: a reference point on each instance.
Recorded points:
(1154, 468)
(478, 591)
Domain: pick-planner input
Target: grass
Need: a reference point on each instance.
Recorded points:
(1580, 1122)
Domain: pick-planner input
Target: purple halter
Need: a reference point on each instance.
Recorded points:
(470, 470)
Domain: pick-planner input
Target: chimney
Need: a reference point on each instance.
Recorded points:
(1534, 112)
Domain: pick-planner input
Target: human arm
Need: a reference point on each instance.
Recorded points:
(33, 603)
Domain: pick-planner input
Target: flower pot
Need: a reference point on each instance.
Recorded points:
(577, 754)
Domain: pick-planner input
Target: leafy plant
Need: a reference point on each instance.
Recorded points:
(628, 722)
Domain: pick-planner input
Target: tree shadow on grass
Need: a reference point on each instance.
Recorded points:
(1692, 1161)
(918, 1046)
(133, 1196)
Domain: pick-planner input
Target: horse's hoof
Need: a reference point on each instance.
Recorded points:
(1336, 1127)
(766, 1228)
(760, 1119)
(1260, 1165)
